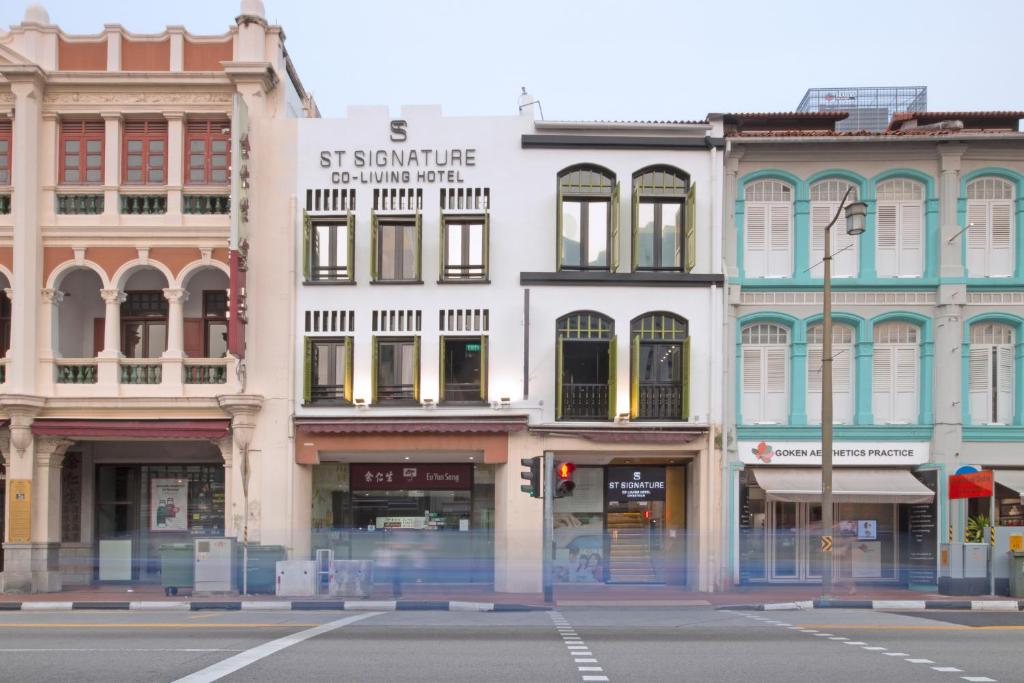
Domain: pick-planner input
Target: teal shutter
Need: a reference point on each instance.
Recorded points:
(691, 228)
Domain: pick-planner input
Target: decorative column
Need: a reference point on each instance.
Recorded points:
(52, 299)
(19, 551)
(176, 299)
(46, 503)
(112, 167)
(175, 160)
(9, 293)
(237, 492)
(108, 361)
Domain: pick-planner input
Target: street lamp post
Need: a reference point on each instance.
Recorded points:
(855, 214)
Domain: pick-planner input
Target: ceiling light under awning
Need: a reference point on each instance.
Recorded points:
(868, 485)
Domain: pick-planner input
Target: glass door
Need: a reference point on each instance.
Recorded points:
(785, 545)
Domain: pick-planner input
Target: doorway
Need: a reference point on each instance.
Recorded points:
(795, 554)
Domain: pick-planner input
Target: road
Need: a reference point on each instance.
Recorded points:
(577, 644)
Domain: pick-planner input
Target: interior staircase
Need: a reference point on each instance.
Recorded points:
(629, 549)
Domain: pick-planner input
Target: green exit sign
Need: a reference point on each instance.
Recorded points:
(472, 347)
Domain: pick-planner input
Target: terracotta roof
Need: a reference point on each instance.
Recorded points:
(833, 115)
(909, 132)
(1007, 119)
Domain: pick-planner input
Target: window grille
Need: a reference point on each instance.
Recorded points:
(330, 320)
(464, 320)
(409, 200)
(397, 320)
(330, 199)
(586, 325)
(465, 198)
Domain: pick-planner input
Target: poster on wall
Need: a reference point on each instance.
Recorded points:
(168, 505)
(579, 547)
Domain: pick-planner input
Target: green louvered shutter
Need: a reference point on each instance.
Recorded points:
(634, 376)
(442, 251)
(558, 226)
(635, 230)
(416, 368)
(374, 256)
(351, 222)
(558, 378)
(483, 368)
(375, 369)
(348, 369)
(307, 369)
(691, 228)
(685, 369)
(307, 244)
(612, 379)
(440, 364)
(419, 246)
(487, 245)
(614, 261)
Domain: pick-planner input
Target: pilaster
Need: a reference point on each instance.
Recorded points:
(112, 166)
(951, 244)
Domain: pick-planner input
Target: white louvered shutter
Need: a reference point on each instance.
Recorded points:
(979, 384)
(844, 247)
(814, 379)
(1004, 384)
(1001, 253)
(977, 239)
(911, 237)
(887, 261)
(751, 381)
(842, 385)
(755, 236)
(881, 384)
(775, 404)
(780, 240)
(820, 217)
(905, 384)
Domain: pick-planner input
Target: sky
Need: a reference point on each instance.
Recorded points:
(600, 59)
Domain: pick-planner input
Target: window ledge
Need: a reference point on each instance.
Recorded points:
(396, 282)
(322, 283)
(993, 432)
(336, 403)
(484, 281)
(606, 279)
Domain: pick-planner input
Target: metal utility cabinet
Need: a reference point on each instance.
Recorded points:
(214, 572)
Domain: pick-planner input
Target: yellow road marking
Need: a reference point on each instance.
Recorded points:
(936, 627)
(4, 625)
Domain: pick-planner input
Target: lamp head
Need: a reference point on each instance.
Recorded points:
(856, 213)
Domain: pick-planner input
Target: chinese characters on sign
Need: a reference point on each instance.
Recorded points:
(418, 477)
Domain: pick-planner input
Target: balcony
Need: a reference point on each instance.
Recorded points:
(90, 204)
(76, 371)
(143, 204)
(141, 373)
(660, 401)
(205, 204)
(206, 371)
(585, 401)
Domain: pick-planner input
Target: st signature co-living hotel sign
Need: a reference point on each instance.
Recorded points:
(843, 453)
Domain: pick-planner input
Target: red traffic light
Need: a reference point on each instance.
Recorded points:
(565, 470)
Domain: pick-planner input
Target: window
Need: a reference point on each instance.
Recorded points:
(826, 197)
(660, 376)
(6, 140)
(990, 228)
(396, 370)
(768, 229)
(144, 324)
(5, 325)
(842, 373)
(899, 228)
(145, 153)
(585, 367)
(81, 159)
(396, 248)
(208, 144)
(463, 369)
(991, 374)
(765, 373)
(895, 373)
(465, 246)
(328, 249)
(215, 323)
(328, 377)
(588, 221)
(664, 233)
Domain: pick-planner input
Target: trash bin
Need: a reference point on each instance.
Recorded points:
(1016, 574)
(177, 563)
(262, 567)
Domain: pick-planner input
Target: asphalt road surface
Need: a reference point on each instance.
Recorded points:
(578, 644)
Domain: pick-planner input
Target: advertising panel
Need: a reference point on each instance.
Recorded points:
(168, 505)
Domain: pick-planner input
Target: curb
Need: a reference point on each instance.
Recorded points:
(972, 605)
(274, 605)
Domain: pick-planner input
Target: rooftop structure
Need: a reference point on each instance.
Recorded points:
(869, 108)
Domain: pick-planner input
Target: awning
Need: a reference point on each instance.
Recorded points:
(198, 430)
(469, 425)
(861, 485)
(1013, 480)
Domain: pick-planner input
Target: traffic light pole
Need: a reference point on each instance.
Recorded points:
(548, 485)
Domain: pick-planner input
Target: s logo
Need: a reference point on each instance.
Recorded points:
(636, 476)
(398, 132)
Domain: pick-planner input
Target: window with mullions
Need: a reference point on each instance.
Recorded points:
(81, 159)
(588, 219)
(463, 369)
(209, 152)
(464, 254)
(396, 370)
(660, 376)
(585, 367)
(5, 325)
(215, 323)
(145, 153)
(664, 233)
(396, 248)
(5, 152)
(328, 370)
(330, 246)
(144, 324)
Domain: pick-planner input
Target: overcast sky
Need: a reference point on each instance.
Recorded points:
(599, 59)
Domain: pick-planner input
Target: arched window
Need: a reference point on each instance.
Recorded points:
(588, 200)
(895, 373)
(990, 228)
(842, 373)
(664, 234)
(899, 228)
(585, 367)
(991, 373)
(826, 197)
(765, 373)
(660, 374)
(768, 229)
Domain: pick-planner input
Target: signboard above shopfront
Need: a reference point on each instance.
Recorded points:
(843, 452)
(411, 477)
(628, 484)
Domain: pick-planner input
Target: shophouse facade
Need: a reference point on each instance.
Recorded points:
(474, 291)
(131, 178)
(927, 308)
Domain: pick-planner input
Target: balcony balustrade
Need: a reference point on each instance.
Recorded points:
(661, 401)
(143, 204)
(80, 204)
(585, 401)
(76, 371)
(205, 204)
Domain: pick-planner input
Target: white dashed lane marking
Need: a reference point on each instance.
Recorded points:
(578, 649)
